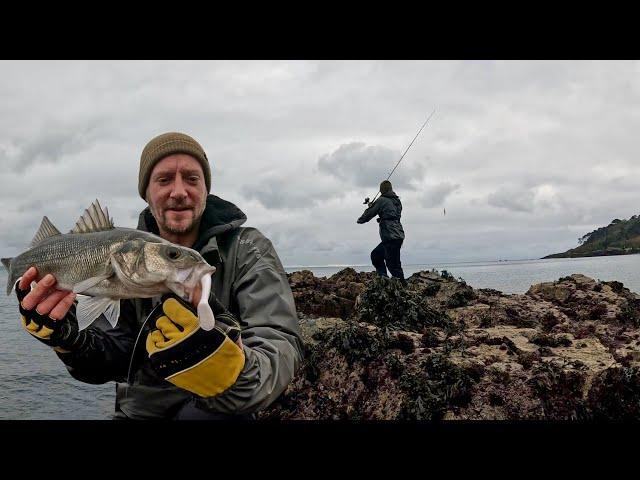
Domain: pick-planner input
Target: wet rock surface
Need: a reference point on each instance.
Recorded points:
(439, 349)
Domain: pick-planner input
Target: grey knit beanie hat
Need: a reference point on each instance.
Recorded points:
(168, 144)
(385, 186)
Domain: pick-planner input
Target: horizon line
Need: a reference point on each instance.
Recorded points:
(416, 264)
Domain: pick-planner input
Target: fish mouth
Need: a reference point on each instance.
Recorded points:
(188, 279)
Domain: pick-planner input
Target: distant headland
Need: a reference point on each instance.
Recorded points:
(620, 237)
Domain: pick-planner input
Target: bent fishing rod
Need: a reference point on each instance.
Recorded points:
(366, 200)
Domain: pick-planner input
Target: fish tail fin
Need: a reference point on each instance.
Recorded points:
(7, 264)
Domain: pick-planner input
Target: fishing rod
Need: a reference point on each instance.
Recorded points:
(366, 200)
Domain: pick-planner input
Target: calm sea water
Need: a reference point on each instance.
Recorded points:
(516, 276)
(34, 384)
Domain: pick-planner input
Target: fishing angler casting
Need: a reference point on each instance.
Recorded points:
(366, 200)
(389, 210)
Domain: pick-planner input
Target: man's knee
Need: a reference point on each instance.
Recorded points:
(377, 254)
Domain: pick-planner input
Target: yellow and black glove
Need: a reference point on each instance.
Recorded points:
(203, 362)
(62, 335)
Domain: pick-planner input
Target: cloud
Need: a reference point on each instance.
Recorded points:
(512, 199)
(436, 195)
(49, 146)
(275, 194)
(366, 166)
(523, 199)
(290, 192)
(546, 150)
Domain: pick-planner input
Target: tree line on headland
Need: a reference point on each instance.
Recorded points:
(620, 237)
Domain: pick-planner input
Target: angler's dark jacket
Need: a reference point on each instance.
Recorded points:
(389, 208)
(250, 281)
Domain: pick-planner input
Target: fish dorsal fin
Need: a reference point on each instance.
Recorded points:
(94, 219)
(46, 230)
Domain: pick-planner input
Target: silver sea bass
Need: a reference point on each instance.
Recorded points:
(104, 264)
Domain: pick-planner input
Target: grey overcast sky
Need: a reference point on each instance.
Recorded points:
(526, 156)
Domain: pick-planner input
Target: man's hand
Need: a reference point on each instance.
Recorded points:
(44, 297)
(44, 312)
(203, 362)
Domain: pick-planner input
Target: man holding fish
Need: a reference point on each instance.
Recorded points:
(149, 287)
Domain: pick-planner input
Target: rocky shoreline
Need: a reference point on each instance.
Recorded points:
(439, 349)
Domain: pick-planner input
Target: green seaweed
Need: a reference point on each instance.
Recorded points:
(437, 386)
(387, 303)
(615, 394)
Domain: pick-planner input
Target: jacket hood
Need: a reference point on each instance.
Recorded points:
(390, 194)
(219, 216)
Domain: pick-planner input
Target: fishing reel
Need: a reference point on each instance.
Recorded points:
(366, 201)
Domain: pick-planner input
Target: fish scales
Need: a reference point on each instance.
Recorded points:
(106, 264)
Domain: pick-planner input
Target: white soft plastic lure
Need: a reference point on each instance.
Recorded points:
(205, 314)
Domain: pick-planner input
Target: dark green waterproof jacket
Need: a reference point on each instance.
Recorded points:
(250, 281)
(389, 208)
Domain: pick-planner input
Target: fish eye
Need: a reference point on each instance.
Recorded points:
(173, 253)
